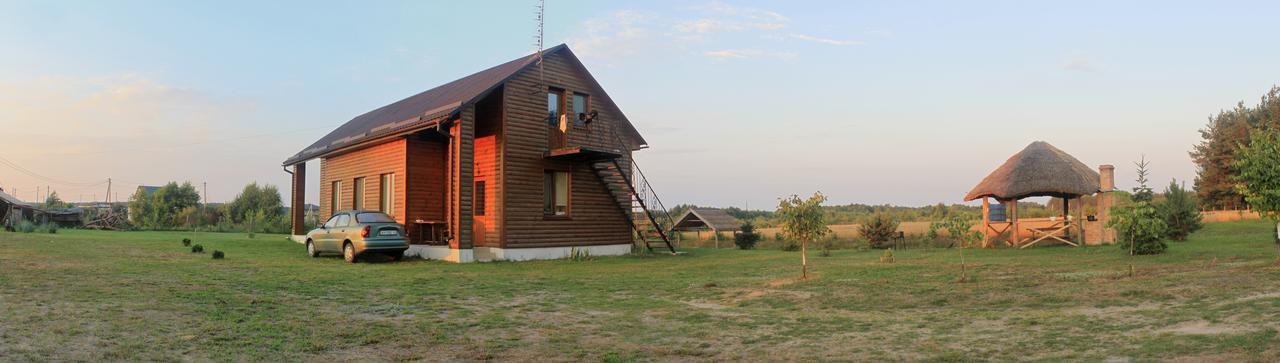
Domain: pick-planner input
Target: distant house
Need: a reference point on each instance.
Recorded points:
(529, 159)
(13, 211)
(143, 190)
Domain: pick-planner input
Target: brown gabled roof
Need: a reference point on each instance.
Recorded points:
(1039, 170)
(427, 109)
(712, 218)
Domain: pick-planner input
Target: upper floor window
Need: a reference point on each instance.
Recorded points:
(553, 106)
(579, 109)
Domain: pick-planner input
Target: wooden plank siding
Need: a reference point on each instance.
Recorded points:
(594, 217)
(489, 115)
(369, 163)
(425, 184)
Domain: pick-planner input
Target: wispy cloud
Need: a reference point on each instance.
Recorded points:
(724, 54)
(617, 35)
(701, 30)
(1079, 64)
(810, 38)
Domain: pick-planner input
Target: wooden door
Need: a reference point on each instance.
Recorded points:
(479, 213)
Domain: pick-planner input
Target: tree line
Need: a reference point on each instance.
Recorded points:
(1218, 184)
(256, 209)
(861, 213)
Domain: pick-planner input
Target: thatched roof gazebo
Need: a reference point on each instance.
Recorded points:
(1039, 170)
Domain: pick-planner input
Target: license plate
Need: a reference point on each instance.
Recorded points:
(388, 232)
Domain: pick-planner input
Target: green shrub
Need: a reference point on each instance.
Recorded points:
(747, 237)
(218, 255)
(790, 246)
(25, 227)
(197, 249)
(1139, 226)
(1180, 211)
(186, 242)
(879, 230)
(47, 228)
(778, 236)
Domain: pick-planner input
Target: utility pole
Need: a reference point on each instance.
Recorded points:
(108, 197)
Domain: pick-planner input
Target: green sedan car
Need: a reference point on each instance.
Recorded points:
(355, 233)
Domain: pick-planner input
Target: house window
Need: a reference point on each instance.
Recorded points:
(480, 200)
(553, 107)
(357, 195)
(387, 195)
(556, 187)
(579, 108)
(335, 196)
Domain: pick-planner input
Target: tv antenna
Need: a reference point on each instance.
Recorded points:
(538, 38)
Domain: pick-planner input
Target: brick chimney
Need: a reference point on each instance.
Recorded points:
(1107, 182)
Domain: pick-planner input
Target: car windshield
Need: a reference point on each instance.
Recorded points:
(374, 217)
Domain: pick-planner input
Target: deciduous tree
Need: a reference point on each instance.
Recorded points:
(1259, 166)
(803, 220)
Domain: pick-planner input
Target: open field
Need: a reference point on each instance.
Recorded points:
(82, 295)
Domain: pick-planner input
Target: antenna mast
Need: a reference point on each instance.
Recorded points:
(542, 10)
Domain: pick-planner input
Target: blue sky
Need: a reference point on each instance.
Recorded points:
(742, 101)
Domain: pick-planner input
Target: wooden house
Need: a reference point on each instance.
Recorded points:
(529, 159)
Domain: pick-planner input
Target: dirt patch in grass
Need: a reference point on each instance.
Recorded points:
(1201, 327)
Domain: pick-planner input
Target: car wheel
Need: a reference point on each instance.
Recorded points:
(349, 252)
(311, 249)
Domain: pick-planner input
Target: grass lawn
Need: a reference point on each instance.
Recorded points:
(85, 295)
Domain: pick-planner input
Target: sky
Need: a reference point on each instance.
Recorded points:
(742, 102)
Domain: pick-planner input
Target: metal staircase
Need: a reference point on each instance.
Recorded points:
(648, 217)
(606, 153)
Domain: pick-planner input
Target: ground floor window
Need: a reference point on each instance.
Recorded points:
(335, 196)
(357, 194)
(387, 194)
(556, 187)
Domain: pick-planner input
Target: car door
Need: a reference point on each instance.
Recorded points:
(324, 238)
(339, 232)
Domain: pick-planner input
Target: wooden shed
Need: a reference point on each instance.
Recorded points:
(13, 211)
(707, 219)
(529, 159)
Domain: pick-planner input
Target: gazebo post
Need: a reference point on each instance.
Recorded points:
(1014, 235)
(986, 222)
(1066, 211)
